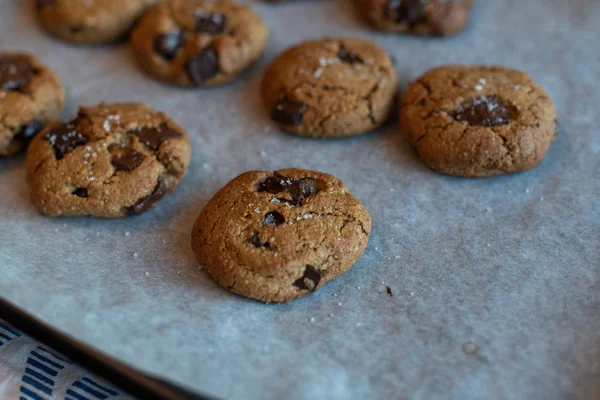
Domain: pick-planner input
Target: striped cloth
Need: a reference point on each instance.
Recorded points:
(30, 371)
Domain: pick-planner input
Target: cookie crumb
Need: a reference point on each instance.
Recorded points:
(389, 290)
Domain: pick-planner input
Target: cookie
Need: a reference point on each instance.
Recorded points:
(477, 121)
(278, 236)
(90, 21)
(30, 96)
(417, 17)
(330, 87)
(111, 161)
(199, 42)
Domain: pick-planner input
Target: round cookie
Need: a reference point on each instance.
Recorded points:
(90, 21)
(417, 17)
(30, 96)
(478, 121)
(278, 236)
(330, 88)
(199, 42)
(111, 161)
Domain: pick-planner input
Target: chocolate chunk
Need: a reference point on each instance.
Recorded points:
(255, 241)
(125, 158)
(168, 44)
(27, 132)
(405, 11)
(288, 112)
(146, 203)
(389, 290)
(81, 192)
(310, 279)
(299, 189)
(210, 23)
(154, 137)
(15, 72)
(203, 66)
(349, 57)
(273, 185)
(44, 3)
(273, 218)
(65, 138)
(486, 111)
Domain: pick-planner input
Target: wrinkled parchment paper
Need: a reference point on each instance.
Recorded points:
(496, 282)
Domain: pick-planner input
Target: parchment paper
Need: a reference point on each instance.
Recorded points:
(496, 282)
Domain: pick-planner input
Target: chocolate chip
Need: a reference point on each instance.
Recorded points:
(203, 66)
(273, 218)
(310, 279)
(210, 23)
(146, 203)
(486, 111)
(168, 44)
(299, 189)
(27, 132)
(405, 11)
(154, 137)
(76, 29)
(288, 112)
(255, 241)
(44, 3)
(65, 138)
(125, 158)
(349, 57)
(15, 72)
(389, 290)
(80, 192)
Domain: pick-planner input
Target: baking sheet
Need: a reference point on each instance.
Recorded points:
(496, 282)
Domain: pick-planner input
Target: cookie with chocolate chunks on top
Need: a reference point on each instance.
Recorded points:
(478, 121)
(330, 88)
(30, 96)
(278, 236)
(198, 43)
(417, 17)
(111, 161)
(90, 21)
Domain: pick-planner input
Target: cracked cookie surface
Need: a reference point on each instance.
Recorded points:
(330, 88)
(199, 42)
(278, 236)
(90, 21)
(478, 121)
(111, 161)
(417, 17)
(30, 96)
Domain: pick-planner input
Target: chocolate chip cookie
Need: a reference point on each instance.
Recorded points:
(278, 236)
(111, 161)
(199, 42)
(478, 121)
(90, 21)
(330, 87)
(30, 95)
(418, 17)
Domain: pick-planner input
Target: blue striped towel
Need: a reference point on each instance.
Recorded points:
(30, 371)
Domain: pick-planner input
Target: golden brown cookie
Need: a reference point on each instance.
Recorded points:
(90, 21)
(331, 87)
(278, 236)
(111, 161)
(478, 121)
(417, 17)
(30, 96)
(199, 42)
